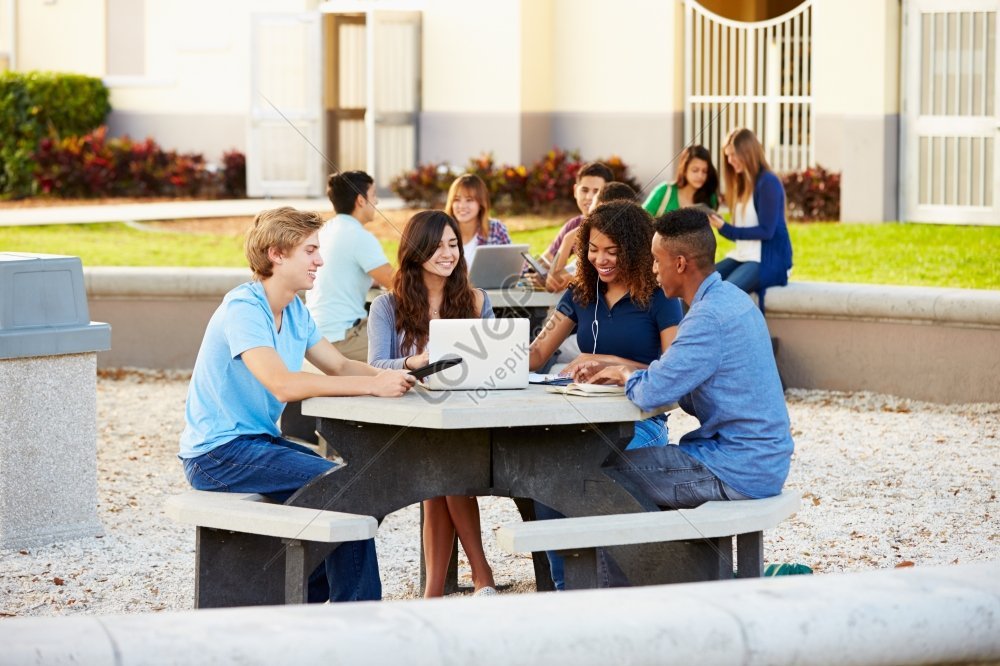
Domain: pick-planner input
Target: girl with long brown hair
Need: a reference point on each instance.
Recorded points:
(469, 204)
(432, 283)
(763, 254)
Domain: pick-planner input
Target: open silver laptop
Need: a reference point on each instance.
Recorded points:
(497, 266)
(494, 354)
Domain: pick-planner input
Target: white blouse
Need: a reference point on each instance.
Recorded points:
(745, 250)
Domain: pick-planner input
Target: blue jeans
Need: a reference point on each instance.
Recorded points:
(673, 479)
(651, 432)
(276, 468)
(744, 274)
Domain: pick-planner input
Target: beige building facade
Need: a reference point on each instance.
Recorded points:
(302, 85)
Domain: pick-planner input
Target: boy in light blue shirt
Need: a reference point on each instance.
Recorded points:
(249, 366)
(353, 258)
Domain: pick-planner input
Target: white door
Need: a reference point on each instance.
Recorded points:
(951, 112)
(394, 96)
(286, 129)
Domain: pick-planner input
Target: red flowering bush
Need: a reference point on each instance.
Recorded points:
(545, 187)
(812, 194)
(424, 187)
(549, 186)
(92, 165)
(234, 174)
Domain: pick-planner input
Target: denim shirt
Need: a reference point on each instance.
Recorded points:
(720, 369)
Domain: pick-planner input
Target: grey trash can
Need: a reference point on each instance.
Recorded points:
(48, 401)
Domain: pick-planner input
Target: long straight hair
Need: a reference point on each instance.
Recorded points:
(470, 183)
(419, 242)
(739, 186)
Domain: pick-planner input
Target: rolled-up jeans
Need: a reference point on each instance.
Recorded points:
(651, 432)
(276, 468)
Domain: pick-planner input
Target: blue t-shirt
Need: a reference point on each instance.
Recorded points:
(625, 330)
(224, 399)
(337, 298)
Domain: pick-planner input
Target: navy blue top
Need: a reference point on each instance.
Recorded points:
(772, 232)
(625, 330)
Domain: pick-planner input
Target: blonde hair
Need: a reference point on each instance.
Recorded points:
(470, 182)
(739, 186)
(280, 228)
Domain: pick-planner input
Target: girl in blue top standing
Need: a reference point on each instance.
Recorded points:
(432, 283)
(763, 254)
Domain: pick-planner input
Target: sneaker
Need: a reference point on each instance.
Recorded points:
(485, 592)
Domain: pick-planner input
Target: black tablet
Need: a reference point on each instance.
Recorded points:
(436, 366)
(535, 265)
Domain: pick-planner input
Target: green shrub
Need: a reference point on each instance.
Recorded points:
(36, 105)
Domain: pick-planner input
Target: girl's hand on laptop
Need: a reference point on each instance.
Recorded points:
(391, 383)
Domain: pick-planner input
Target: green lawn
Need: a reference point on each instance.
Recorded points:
(907, 254)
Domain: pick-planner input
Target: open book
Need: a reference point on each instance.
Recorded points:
(588, 390)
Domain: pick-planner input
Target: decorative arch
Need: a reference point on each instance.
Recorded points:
(756, 75)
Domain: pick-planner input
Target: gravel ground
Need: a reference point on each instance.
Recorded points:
(886, 482)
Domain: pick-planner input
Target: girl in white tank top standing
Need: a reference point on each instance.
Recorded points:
(763, 253)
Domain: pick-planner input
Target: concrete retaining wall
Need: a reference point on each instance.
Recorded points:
(941, 345)
(918, 616)
(918, 342)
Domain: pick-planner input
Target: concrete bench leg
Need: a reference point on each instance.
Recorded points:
(237, 569)
(580, 569)
(296, 573)
(750, 555)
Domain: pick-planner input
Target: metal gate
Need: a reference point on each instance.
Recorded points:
(756, 75)
(950, 119)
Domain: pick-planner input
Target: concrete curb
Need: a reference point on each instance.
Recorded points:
(885, 302)
(163, 210)
(976, 307)
(915, 616)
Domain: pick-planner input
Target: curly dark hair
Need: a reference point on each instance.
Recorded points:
(418, 243)
(629, 226)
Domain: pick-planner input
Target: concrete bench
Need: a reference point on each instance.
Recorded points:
(713, 524)
(250, 551)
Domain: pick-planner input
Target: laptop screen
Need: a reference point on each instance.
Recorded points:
(497, 266)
